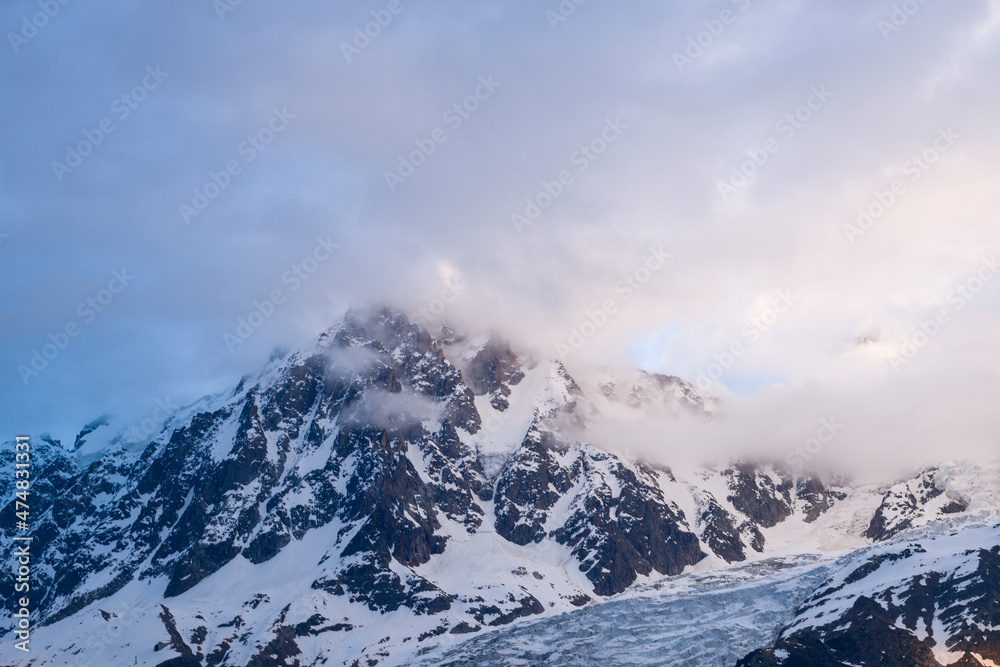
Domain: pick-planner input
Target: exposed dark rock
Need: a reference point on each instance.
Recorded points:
(279, 652)
(815, 498)
(177, 643)
(198, 635)
(180, 661)
(899, 622)
(955, 507)
(901, 505)
(513, 609)
(529, 486)
(439, 630)
(361, 439)
(634, 533)
(872, 639)
(527, 606)
(492, 371)
(754, 493)
(88, 429)
(719, 532)
(464, 628)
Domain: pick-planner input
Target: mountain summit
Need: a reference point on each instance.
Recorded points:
(383, 489)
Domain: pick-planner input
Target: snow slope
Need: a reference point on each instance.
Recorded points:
(694, 619)
(367, 499)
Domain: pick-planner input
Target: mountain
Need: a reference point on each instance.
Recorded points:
(388, 491)
(919, 603)
(926, 601)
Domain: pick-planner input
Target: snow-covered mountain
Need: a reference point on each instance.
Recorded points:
(387, 494)
(921, 602)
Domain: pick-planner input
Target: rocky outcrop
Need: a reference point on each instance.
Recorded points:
(762, 496)
(815, 498)
(367, 446)
(902, 505)
(492, 371)
(902, 605)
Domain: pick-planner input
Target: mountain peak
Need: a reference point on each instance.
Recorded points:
(382, 487)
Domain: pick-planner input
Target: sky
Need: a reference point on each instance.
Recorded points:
(792, 205)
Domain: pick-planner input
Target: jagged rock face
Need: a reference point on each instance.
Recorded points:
(621, 526)
(492, 371)
(613, 517)
(530, 485)
(398, 521)
(759, 498)
(756, 494)
(368, 448)
(902, 504)
(270, 465)
(925, 603)
(363, 435)
(756, 498)
(718, 530)
(53, 471)
(872, 640)
(815, 498)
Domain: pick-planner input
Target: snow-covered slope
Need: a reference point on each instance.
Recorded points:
(926, 601)
(712, 618)
(385, 490)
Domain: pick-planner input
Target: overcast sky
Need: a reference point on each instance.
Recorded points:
(300, 132)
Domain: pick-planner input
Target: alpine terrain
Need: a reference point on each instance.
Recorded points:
(391, 495)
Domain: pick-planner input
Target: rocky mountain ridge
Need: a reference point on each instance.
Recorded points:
(385, 487)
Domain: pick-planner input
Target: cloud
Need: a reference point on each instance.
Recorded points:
(346, 362)
(655, 185)
(392, 410)
(881, 430)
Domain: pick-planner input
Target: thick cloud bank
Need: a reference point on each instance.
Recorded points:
(791, 204)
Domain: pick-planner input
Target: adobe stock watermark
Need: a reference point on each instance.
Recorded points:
(88, 310)
(915, 168)
(562, 12)
(624, 290)
(752, 332)
(493, 423)
(581, 159)
(454, 118)
(899, 17)
(364, 34)
(100, 641)
(957, 299)
(433, 310)
(31, 25)
(249, 149)
(293, 278)
(141, 432)
(786, 127)
(121, 108)
(223, 7)
(800, 456)
(714, 29)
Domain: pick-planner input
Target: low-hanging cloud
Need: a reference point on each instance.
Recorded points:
(392, 410)
(444, 242)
